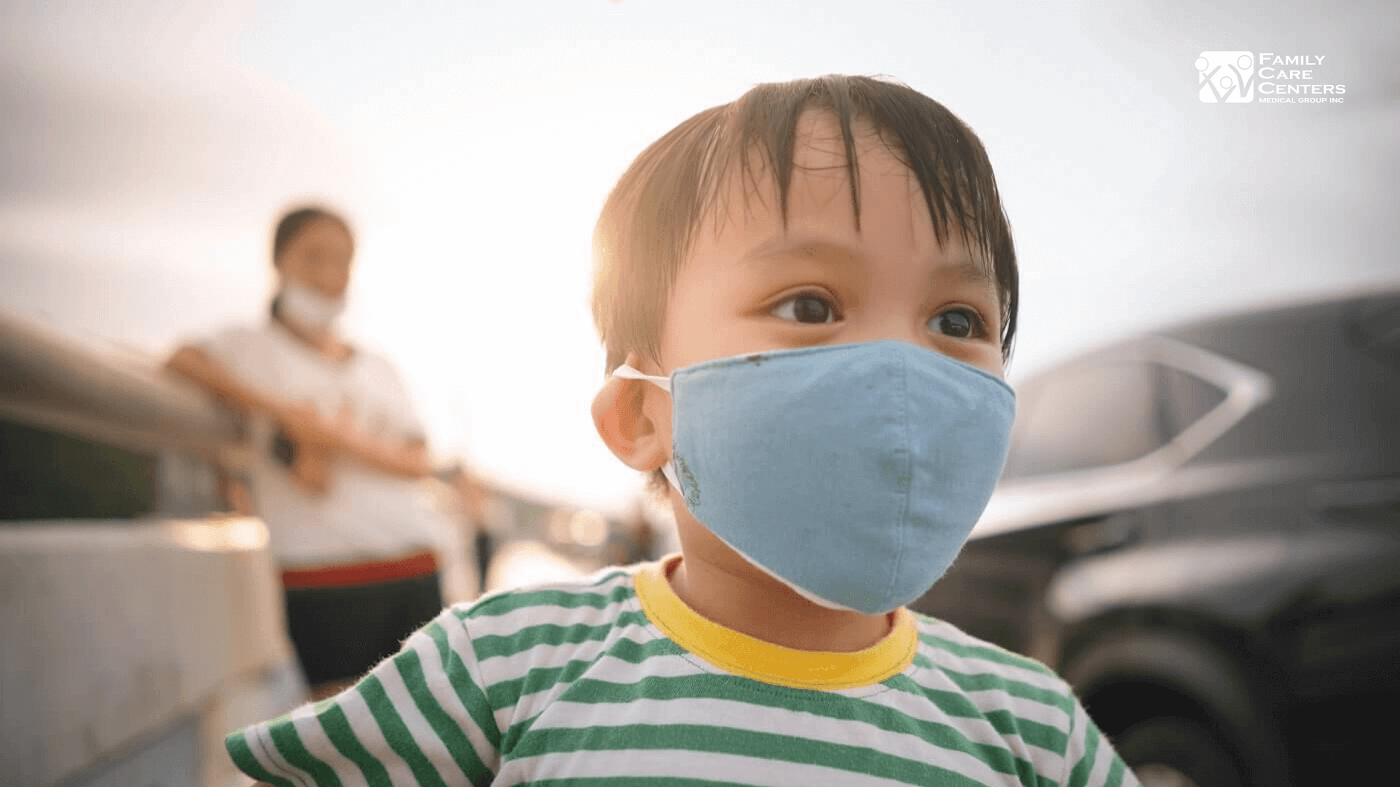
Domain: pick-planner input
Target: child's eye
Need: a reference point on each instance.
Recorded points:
(806, 308)
(959, 323)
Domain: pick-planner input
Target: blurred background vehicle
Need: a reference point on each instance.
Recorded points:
(140, 619)
(1200, 529)
(141, 613)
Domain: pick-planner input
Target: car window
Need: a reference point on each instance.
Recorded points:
(1085, 416)
(49, 475)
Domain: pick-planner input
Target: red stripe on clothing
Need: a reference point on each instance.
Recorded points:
(419, 564)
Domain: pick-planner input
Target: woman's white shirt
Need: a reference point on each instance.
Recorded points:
(366, 514)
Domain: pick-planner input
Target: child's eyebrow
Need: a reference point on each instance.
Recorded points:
(963, 270)
(786, 246)
(967, 271)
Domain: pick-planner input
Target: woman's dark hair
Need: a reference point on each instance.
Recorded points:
(290, 226)
(294, 221)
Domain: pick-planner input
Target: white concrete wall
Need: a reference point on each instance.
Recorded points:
(111, 633)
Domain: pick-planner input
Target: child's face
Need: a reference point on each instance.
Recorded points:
(749, 286)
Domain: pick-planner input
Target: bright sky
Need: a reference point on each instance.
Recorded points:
(147, 151)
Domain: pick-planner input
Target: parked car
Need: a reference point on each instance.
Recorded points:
(140, 621)
(1200, 529)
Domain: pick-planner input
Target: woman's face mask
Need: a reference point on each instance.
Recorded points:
(309, 307)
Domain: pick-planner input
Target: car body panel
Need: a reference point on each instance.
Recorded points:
(1258, 520)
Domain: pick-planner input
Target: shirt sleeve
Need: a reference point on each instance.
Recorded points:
(421, 717)
(230, 346)
(1090, 760)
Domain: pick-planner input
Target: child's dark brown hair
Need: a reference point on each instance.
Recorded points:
(647, 223)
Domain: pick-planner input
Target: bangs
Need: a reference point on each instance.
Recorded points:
(758, 135)
(949, 163)
(650, 218)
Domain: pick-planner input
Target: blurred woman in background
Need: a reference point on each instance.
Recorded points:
(338, 454)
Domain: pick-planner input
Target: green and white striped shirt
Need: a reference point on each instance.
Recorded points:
(614, 681)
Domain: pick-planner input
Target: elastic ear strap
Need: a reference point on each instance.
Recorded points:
(669, 470)
(664, 383)
(627, 372)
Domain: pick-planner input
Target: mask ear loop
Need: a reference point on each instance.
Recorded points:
(627, 372)
(664, 383)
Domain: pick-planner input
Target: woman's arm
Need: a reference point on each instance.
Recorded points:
(311, 468)
(407, 458)
(194, 363)
(303, 422)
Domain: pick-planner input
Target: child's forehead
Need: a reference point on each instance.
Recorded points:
(754, 239)
(821, 172)
(817, 137)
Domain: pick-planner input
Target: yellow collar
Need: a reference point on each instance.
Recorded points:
(763, 661)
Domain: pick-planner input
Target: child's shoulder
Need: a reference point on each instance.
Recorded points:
(974, 664)
(978, 684)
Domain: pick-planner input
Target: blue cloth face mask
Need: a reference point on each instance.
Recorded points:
(850, 473)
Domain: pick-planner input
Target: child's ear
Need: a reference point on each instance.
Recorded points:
(620, 413)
